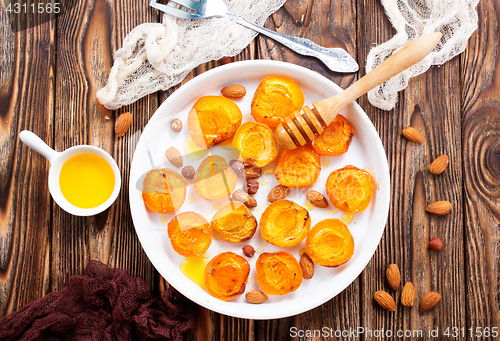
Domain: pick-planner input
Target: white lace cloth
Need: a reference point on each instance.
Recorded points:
(456, 19)
(158, 56)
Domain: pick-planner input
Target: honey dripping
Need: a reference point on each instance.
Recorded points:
(194, 268)
(347, 217)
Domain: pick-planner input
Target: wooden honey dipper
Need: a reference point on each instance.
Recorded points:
(307, 123)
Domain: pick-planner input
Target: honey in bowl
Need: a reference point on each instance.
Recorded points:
(86, 180)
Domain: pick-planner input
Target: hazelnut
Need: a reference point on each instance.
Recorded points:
(176, 125)
(252, 186)
(252, 172)
(435, 244)
(188, 172)
(238, 167)
(248, 250)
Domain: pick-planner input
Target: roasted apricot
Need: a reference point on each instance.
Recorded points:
(190, 234)
(336, 138)
(330, 243)
(212, 120)
(275, 100)
(350, 189)
(163, 190)
(226, 276)
(298, 168)
(214, 178)
(256, 144)
(284, 223)
(234, 222)
(278, 273)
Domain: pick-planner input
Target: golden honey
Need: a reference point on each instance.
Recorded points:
(193, 151)
(193, 268)
(347, 217)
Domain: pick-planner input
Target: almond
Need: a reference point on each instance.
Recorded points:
(233, 91)
(317, 199)
(256, 296)
(225, 60)
(435, 244)
(412, 135)
(122, 123)
(439, 165)
(393, 276)
(385, 300)
(105, 112)
(439, 208)
(243, 197)
(174, 157)
(307, 266)
(277, 193)
(408, 295)
(430, 300)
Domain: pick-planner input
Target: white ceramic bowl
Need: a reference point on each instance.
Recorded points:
(366, 151)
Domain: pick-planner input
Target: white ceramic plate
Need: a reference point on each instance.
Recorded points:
(366, 151)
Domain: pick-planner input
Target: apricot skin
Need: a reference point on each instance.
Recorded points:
(164, 190)
(190, 234)
(256, 144)
(298, 168)
(275, 100)
(336, 138)
(330, 243)
(226, 276)
(278, 273)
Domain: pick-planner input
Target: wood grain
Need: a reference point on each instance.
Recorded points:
(481, 167)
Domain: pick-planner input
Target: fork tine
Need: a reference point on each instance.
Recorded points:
(192, 4)
(179, 13)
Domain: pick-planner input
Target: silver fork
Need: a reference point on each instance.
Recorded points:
(336, 59)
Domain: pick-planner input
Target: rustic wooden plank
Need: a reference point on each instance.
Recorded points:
(431, 105)
(481, 167)
(26, 102)
(88, 35)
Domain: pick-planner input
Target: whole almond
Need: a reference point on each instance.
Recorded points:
(393, 276)
(122, 123)
(412, 135)
(174, 157)
(252, 172)
(435, 244)
(277, 193)
(429, 301)
(385, 300)
(248, 250)
(439, 208)
(105, 112)
(307, 266)
(317, 199)
(238, 167)
(244, 198)
(233, 91)
(408, 295)
(256, 296)
(225, 60)
(439, 165)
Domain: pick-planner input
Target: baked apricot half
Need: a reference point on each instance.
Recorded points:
(234, 222)
(278, 273)
(190, 234)
(226, 276)
(214, 179)
(284, 223)
(212, 120)
(350, 189)
(298, 168)
(336, 138)
(163, 190)
(330, 243)
(256, 144)
(275, 100)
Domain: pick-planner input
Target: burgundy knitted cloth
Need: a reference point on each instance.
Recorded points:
(103, 304)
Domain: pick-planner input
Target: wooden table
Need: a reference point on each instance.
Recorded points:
(49, 75)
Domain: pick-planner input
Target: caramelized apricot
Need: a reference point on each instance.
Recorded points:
(164, 190)
(256, 144)
(350, 189)
(212, 120)
(298, 168)
(226, 276)
(190, 234)
(284, 223)
(275, 100)
(234, 222)
(330, 243)
(214, 178)
(336, 138)
(278, 273)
